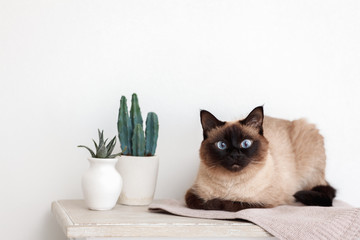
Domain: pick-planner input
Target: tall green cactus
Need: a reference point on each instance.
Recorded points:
(124, 127)
(151, 133)
(131, 134)
(138, 141)
(135, 113)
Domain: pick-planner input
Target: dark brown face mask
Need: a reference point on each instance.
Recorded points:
(233, 145)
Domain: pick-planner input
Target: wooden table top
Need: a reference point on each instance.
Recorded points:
(136, 221)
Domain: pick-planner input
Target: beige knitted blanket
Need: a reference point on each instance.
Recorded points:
(284, 222)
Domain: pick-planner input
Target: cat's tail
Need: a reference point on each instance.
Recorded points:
(321, 195)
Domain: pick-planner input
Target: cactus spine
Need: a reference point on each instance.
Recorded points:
(131, 134)
(151, 133)
(138, 140)
(124, 127)
(135, 113)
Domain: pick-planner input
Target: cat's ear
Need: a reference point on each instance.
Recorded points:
(209, 122)
(255, 119)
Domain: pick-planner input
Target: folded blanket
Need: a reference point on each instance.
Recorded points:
(284, 222)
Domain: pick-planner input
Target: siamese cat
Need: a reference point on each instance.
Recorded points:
(259, 162)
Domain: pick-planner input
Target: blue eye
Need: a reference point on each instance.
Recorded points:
(246, 143)
(221, 145)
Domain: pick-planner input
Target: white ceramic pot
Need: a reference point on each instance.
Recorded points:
(101, 184)
(139, 179)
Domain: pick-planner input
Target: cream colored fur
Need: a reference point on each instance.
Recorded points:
(295, 161)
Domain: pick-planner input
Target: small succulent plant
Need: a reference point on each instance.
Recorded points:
(103, 150)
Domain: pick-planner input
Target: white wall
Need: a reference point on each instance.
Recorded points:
(65, 64)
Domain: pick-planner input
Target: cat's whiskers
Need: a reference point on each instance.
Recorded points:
(256, 162)
(211, 167)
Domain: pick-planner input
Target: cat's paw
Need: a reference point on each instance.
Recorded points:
(214, 204)
(317, 196)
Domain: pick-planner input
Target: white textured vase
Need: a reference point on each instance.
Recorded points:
(101, 184)
(139, 179)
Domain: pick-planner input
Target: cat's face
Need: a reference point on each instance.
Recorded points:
(233, 145)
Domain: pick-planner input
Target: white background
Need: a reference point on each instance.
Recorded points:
(65, 64)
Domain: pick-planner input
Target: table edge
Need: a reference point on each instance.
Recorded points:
(73, 230)
(61, 216)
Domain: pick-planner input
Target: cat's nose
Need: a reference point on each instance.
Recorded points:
(235, 154)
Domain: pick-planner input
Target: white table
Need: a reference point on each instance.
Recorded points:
(122, 222)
